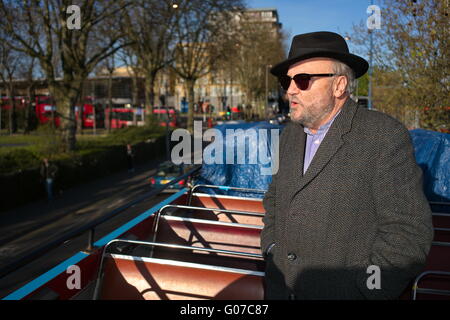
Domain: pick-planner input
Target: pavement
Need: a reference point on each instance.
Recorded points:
(27, 228)
(99, 196)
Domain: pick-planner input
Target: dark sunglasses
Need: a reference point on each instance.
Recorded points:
(301, 80)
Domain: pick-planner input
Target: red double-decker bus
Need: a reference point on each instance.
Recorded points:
(90, 116)
(46, 110)
(161, 113)
(19, 102)
(120, 117)
(6, 115)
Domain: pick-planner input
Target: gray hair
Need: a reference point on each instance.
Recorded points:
(342, 69)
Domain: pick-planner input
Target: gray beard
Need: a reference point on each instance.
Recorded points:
(310, 118)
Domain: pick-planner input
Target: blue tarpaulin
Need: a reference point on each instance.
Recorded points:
(432, 153)
(251, 169)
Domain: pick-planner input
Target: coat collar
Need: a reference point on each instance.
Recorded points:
(327, 149)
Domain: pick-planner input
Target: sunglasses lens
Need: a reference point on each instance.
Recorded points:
(302, 81)
(285, 82)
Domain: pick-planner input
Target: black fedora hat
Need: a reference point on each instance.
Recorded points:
(321, 44)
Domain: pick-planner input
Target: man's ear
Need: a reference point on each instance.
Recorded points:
(339, 86)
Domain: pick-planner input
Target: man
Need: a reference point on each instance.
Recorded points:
(130, 158)
(48, 173)
(346, 217)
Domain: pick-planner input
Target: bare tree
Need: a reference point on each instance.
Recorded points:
(257, 46)
(411, 53)
(200, 31)
(130, 61)
(150, 26)
(108, 66)
(28, 74)
(9, 62)
(40, 29)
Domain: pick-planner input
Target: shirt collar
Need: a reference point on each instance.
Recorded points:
(323, 128)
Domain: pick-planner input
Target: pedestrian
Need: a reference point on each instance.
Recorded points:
(48, 174)
(130, 158)
(346, 216)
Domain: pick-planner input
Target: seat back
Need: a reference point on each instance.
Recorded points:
(209, 234)
(434, 282)
(229, 203)
(441, 224)
(136, 278)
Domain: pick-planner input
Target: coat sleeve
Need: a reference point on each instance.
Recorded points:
(405, 230)
(267, 234)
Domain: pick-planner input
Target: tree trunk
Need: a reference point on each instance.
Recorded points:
(110, 104)
(65, 100)
(29, 110)
(150, 79)
(80, 104)
(68, 123)
(135, 93)
(12, 110)
(190, 83)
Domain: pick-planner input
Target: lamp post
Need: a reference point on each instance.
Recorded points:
(369, 102)
(369, 98)
(267, 88)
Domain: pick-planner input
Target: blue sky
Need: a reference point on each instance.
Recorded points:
(301, 16)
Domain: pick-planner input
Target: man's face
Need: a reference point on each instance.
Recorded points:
(311, 106)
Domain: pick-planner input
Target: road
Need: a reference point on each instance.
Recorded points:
(25, 228)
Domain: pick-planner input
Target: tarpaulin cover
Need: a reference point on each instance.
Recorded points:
(252, 170)
(432, 151)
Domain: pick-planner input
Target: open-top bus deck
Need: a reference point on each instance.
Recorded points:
(196, 245)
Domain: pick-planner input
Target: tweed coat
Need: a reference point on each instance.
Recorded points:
(359, 204)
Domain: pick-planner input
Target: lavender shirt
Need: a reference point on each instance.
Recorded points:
(313, 141)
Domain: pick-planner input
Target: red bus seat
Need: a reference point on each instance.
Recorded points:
(229, 203)
(211, 235)
(135, 278)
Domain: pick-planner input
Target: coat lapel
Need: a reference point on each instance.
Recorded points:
(328, 148)
(297, 151)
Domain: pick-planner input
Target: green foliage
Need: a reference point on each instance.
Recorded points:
(48, 143)
(152, 121)
(363, 85)
(134, 135)
(18, 159)
(51, 142)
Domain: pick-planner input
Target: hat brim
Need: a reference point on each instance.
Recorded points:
(356, 63)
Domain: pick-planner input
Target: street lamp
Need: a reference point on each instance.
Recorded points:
(369, 98)
(267, 88)
(175, 6)
(369, 102)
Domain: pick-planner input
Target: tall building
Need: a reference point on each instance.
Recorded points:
(221, 88)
